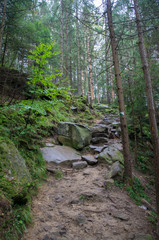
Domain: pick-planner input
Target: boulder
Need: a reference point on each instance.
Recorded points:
(115, 170)
(12, 162)
(111, 154)
(108, 183)
(60, 155)
(79, 165)
(97, 149)
(74, 135)
(97, 140)
(90, 159)
(100, 128)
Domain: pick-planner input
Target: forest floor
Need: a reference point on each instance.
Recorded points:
(78, 206)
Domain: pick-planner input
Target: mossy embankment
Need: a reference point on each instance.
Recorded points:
(23, 126)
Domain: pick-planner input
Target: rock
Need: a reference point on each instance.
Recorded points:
(148, 205)
(74, 135)
(79, 165)
(49, 144)
(143, 237)
(48, 237)
(121, 216)
(80, 219)
(97, 140)
(111, 154)
(97, 149)
(12, 162)
(131, 236)
(115, 170)
(115, 124)
(98, 134)
(61, 155)
(100, 128)
(86, 172)
(74, 109)
(108, 183)
(90, 159)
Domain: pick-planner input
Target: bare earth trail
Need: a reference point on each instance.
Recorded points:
(78, 207)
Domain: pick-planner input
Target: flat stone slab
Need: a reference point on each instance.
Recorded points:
(121, 216)
(89, 159)
(79, 165)
(61, 155)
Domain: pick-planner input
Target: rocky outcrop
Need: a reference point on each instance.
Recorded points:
(91, 160)
(111, 154)
(115, 170)
(79, 165)
(74, 135)
(60, 155)
(12, 162)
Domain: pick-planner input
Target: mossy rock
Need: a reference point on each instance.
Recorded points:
(12, 164)
(74, 135)
(111, 155)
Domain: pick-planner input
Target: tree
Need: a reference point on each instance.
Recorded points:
(150, 102)
(124, 128)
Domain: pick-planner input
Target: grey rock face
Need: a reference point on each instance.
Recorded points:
(79, 165)
(74, 135)
(121, 216)
(97, 149)
(111, 154)
(115, 170)
(97, 140)
(100, 128)
(62, 155)
(90, 159)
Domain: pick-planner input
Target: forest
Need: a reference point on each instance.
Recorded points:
(60, 60)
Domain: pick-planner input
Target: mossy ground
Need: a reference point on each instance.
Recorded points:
(25, 125)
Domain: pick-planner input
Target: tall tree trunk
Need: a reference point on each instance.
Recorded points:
(2, 24)
(111, 82)
(4, 49)
(62, 41)
(124, 128)
(70, 55)
(66, 45)
(106, 58)
(86, 71)
(150, 102)
(78, 53)
(90, 67)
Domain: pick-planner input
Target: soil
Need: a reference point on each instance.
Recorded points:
(77, 205)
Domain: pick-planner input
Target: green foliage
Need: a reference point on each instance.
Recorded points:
(152, 218)
(59, 174)
(136, 191)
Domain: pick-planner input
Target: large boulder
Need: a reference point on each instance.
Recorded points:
(60, 155)
(115, 170)
(74, 135)
(12, 163)
(111, 154)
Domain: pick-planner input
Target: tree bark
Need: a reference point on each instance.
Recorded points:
(112, 87)
(124, 128)
(150, 102)
(62, 42)
(90, 67)
(78, 53)
(105, 33)
(2, 24)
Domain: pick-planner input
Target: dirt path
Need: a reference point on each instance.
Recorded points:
(78, 207)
